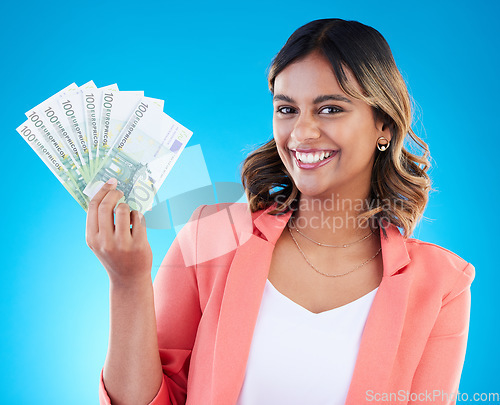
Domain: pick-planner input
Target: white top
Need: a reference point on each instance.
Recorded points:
(298, 357)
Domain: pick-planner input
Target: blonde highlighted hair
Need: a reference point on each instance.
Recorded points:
(399, 184)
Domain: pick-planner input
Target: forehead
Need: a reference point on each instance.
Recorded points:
(311, 75)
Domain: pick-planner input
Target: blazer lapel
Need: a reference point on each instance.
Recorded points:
(241, 303)
(382, 332)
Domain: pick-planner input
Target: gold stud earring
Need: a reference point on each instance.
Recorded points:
(382, 147)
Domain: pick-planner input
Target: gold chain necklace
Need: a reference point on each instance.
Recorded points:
(332, 246)
(325, 274)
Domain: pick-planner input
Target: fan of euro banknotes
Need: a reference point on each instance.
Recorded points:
(87, 135)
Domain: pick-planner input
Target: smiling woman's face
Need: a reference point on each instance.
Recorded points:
(313, 114)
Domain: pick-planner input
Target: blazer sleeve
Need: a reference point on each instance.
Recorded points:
(178, 313)
(440, 367)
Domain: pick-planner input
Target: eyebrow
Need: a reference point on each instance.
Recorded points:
(317, 100)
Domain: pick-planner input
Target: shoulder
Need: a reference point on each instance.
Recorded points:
(223, 209)
(223, 216)
(430, 252)
(217, 229)
(219, 215)
(439, 268)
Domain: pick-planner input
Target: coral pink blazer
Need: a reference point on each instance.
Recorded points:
(208, 293)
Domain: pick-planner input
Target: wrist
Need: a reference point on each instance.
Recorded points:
(130, 283)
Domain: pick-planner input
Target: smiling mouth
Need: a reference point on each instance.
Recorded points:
(313, 157)
(313, 160)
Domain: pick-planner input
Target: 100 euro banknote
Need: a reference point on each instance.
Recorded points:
(51, 157)
(142, 155)
(86, 135)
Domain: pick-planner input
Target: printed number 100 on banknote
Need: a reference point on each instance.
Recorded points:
(142, 155)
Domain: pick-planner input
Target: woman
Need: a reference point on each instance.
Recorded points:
(308, 294)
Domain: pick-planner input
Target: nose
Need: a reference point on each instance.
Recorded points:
(305, 128)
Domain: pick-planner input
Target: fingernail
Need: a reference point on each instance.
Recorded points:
(111, 181)
(142, 220)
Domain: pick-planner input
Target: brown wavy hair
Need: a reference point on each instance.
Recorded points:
(399, 182)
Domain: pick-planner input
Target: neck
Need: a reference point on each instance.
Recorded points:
(332, 219)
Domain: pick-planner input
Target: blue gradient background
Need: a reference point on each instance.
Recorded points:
(208, 61)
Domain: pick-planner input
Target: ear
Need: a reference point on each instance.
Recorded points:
(384, 127)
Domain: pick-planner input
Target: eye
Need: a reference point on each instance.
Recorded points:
(285, 110)
(330, 110)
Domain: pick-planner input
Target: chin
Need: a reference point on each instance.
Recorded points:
(316, 192)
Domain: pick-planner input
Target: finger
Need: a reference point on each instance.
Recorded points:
(122, 221)
(138, 225)
(105, 212)
(92, 212)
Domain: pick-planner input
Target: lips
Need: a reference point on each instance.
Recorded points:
(304, 165)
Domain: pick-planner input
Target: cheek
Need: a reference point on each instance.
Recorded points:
(357, 137)
(281, 134)
(281, 145)
(281, 148)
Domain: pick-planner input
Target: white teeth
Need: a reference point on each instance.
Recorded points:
(312, 157)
